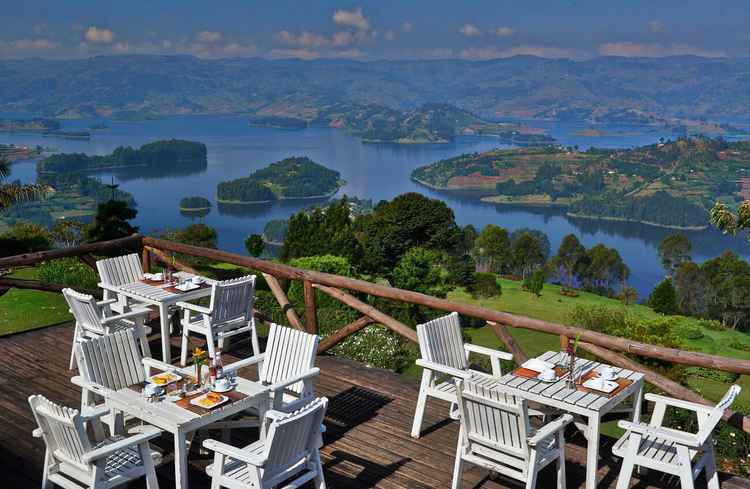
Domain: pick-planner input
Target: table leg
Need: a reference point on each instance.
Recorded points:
(166, 351)
(180, 460)
(637, 403)
(265, 400)
(592, 452)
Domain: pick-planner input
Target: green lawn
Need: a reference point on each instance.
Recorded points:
(22, 310)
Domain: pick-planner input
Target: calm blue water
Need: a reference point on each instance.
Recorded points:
(371, 171)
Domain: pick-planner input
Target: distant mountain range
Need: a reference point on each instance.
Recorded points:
(601, 89)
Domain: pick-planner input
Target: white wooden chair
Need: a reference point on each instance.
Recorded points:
(445, 358)
(668, 450)
(229, 313)
(118, 271)
(72, 460)
(496, 435)
(290, 450)
(95, 319)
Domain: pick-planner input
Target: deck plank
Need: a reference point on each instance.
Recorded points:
(367, 443)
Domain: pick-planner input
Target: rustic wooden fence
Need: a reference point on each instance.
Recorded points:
(608, 348)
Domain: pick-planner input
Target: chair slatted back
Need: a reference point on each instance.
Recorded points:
(120, 269)
(293, 437)
(62, 430)
(708, 423)
(87, 313)
(289, 353)
(441, 342)
(232, 299)
(494, 423)
(113, 361)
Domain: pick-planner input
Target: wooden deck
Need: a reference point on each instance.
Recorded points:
(367, 443)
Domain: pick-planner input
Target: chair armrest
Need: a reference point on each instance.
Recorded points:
(91, 386)
(281, 385)
(443, 369)
(483, 350)
(109, 287)
(133, 313)
(687, 439)
(89, 413)
(165, 367)
(550, 429)
(37, 433)
(194, 307)
(246, 362)
(106, 302)
(148, 433)
(233, 452)
(678, 403)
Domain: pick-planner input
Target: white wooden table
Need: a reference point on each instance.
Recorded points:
(589, 405)
(156, 295)
(181, 422)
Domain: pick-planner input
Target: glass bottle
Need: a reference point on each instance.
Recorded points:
(219, 365)
(212, 371)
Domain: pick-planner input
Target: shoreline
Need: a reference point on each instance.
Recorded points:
(312, 197)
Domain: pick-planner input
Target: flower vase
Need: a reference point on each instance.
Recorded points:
(198, 377)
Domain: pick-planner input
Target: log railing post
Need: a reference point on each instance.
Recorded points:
(501, 331)
(563, 342)
(146, 260)
(311, 312)
(283, 300)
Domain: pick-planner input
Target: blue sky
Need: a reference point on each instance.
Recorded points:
(378, 29)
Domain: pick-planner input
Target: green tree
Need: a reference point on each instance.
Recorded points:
(663, 298)
(602, 269)
(485, 285)
(568, 259)
(25, 237)
(527, 254)
(196, 235)
(111, 221)
(254, 244)
(536, 282)
(410, 220)
(674, 250)
(729, 222)
(420, 270)
(469, 235)
(628, 296)
(691, 287)
(491, 250)
(322, 232)
(541, 238)
(12, 193)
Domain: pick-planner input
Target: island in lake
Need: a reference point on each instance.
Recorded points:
(158, 155)
(669, 184)
(429, 123)
(291, 178)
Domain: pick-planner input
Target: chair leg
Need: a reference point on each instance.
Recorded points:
(561, 460)
(184, 346)
(628, 462)
(533, 470)
(416, 428)
(712, 477)
(218, 471)
(319, 481)
(254, 339)
(686, 472)
(211, 345)
(148, 466)
(46, 484)
(73, 348)
(458, 467)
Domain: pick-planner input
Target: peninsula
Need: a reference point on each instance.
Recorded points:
(669, 184)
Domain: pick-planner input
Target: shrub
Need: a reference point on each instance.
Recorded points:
(485, 285)
(709, 373)
(70, 272)
(692, 332)
(739, 345)
(712, 325)
(376, 346)
(25, 237)
(663, 299)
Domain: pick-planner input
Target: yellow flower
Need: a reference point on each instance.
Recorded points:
(199, 354)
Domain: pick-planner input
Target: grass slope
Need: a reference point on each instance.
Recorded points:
(23, 310)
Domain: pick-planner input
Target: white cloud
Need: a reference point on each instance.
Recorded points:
(504, 31)
(407, 26)
(656, 26)
(656, 50)
(342, 38)
(389, 35)
(470, 30)
(99, 35)
(305, 39)
(240, 49)
(209, 37)
(351, 18)
(122, 47)
(20, 48)
(302, 53)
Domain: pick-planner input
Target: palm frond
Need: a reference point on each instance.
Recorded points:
(13, 194)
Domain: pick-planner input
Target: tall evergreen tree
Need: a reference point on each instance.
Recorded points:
(674, 250)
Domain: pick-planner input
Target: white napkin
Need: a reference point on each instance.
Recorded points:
(537, 365)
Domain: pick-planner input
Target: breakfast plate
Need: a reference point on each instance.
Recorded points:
(209, 400)
(164, 378)
(601, 385)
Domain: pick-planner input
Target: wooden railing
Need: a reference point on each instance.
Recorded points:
(338, 287)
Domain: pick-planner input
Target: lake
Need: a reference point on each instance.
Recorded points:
(374, 171)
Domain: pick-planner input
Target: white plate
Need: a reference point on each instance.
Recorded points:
(550, 381)
(196, 401)
(601, 385)
(537, 365)
(173, 377)
(186, 286)
(158, 277)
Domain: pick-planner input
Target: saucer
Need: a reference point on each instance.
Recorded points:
(228, 388)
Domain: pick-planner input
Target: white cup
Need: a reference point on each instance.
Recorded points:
(222, 384)
(607, 373)
(152, 390)
(547, 374)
